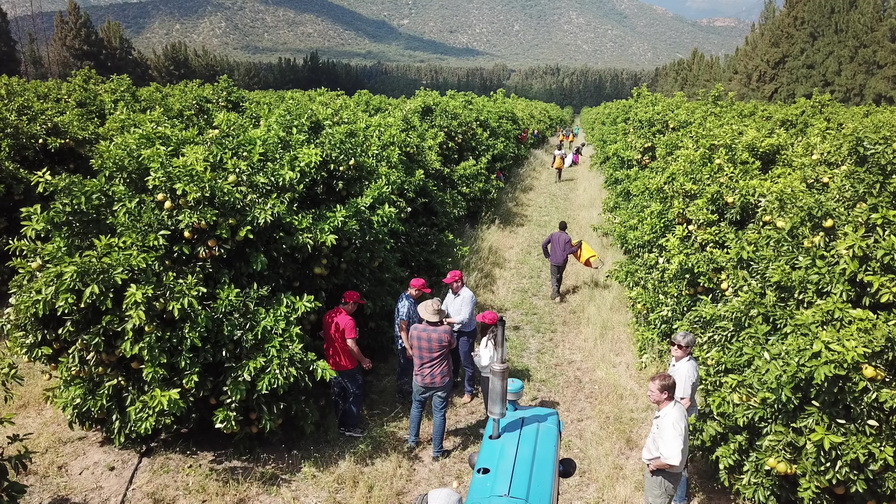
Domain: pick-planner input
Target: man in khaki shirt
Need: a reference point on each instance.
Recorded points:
(666, 449)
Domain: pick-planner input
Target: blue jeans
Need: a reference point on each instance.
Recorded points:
(681, 493)
(348, 397)
(405, 372)
(466, 341)
(439, 396)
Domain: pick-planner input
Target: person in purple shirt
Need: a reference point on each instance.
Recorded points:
(561, 246)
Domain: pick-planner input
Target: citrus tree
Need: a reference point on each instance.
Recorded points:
(179, 280)
(768, 231)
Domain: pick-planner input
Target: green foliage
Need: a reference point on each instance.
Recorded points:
(11, 463)
(177, 282)
(768, 231)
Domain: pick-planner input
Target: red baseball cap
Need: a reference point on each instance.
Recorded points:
(487, 317)
(453, 276)
(352, 297)
(419, 284)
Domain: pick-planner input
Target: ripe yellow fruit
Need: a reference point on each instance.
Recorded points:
(135, 365)
(351, 162)
(231, 179)
(212, 243)
(815, 157)
(700, 289)
(729, 200)
(318, 270)
(53, 367)
(766, 218)
(780, 224)
(825, 180)
(162, 197)
(879, 375)
(253, 429)
(169, 205)
(253, 415)
(782, 468)
(839, 489)
(868, 371)
(212, 401)
(36, 265)
(771, 463)
(203, 225)
(724, 286)
(188, 234)
(828, 224)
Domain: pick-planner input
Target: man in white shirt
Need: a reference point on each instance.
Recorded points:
(460, 303)
(666, 450)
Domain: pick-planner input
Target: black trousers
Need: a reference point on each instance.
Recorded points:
(556, 279)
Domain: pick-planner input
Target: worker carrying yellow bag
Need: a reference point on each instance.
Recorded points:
(587, 256)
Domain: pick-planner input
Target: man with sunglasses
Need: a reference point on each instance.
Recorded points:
(687, 376)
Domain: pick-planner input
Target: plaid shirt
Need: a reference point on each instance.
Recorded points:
(432, 354)
(405, 309)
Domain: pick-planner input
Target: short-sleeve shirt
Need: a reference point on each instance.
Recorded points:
(668, 439)
(432, 354)
(687, 378)
(339, 327)
(405, 309)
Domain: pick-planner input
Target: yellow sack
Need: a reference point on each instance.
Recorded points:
(587, 256)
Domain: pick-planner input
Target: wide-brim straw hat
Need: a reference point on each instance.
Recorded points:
(431, 310)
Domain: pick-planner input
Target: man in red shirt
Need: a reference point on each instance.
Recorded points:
(345, 358)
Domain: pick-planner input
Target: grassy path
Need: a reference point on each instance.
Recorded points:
(576, 356)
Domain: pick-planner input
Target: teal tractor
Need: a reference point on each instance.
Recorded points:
(519, 459)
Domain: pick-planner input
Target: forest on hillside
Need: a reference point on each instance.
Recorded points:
(843, 47)
(76, 43)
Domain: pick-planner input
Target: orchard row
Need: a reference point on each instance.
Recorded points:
(768, 231)
(177, 244)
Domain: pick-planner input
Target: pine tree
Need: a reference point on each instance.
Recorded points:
(33, 65)
(10, 63)
(76, 43)
(119, 55)
(173, 64)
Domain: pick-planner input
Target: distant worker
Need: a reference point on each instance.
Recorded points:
(575, 131)
(405, 316)
(561, 246)
(432, 342)
(345, 358)
(666, 449)
(558, 162)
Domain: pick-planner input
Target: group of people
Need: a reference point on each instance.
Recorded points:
(666, 450)
(568, 135)
(562, 159)
(435, 341)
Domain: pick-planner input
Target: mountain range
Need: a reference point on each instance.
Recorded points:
(606, 33)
